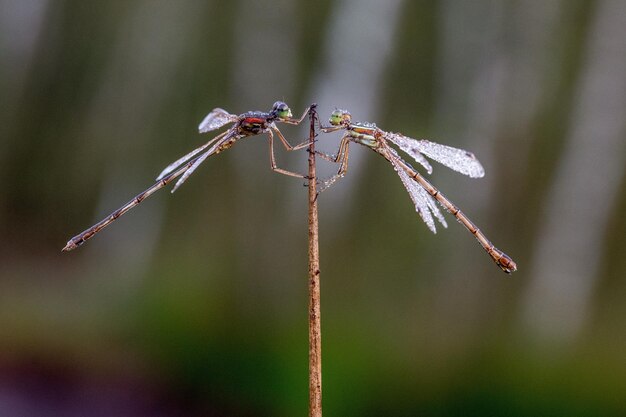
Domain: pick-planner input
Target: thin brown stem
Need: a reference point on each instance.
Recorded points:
(315, 333)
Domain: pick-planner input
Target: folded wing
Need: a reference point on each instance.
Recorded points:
(424, 203)
(174, 165)
(198, 161)
(216, 119)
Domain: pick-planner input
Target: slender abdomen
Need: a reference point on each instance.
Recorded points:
(500, 258)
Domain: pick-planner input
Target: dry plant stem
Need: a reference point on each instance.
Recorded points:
(315, 334)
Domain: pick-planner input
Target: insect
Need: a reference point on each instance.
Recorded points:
(247, 124)
(423, 193)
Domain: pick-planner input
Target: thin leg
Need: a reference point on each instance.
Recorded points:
(329, 158)
(286, 143)
(342, 158)
(329, 129)
(325, 129)
(305, 143)
(299, 146)
(297, 121)
(81, 238)
(270, 135)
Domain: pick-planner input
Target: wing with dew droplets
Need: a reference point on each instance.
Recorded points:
(424, 203)
(457, 159)
(408, 146)
(174, 165)
(198, 161)
(216, 119)
(171, 167)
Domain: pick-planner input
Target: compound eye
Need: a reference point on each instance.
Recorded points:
(280, 106)
(281, 110)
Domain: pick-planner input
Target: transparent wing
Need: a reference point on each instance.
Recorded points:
(191, 169)
(174, 165)
(216, 119)
(197, 163)
(457, 159)
(424, 203)
(408, 145)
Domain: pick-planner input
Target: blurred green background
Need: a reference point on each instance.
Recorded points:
(195, 303)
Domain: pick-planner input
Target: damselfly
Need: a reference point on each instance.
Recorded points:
(422, 192)
(244, 125)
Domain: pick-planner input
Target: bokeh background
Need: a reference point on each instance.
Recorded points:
(195, 303)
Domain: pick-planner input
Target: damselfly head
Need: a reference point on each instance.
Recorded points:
(339, 117)
(281, 110)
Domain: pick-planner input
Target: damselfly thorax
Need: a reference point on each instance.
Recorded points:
(365, 134)
(254, 123)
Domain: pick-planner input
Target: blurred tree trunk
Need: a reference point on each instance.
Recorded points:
(583, 193)
(496, 62)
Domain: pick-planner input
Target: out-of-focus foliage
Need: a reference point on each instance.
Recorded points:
(195, 303)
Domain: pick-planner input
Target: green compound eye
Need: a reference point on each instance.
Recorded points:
(281, 110)
(335, 118)
(338, 116)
